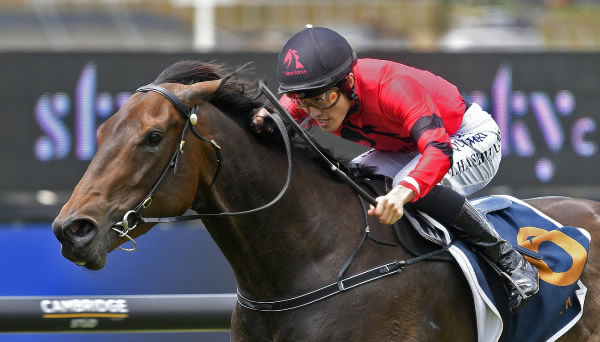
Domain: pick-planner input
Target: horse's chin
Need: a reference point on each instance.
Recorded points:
(91, 261)
(95, 265)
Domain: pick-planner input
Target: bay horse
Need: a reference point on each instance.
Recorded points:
(292, 247)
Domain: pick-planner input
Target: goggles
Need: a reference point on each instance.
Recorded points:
(325, 100)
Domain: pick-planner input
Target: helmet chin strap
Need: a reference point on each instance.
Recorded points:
(348, 89)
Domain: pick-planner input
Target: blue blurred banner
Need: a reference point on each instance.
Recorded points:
(171, 259)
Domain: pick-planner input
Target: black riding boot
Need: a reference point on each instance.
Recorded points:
(477, 231)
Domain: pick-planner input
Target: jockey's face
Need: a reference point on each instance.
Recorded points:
(328, 109)
(330, 119)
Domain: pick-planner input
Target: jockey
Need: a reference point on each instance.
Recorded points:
(436, 146)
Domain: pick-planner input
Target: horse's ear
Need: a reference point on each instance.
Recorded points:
(195, 93)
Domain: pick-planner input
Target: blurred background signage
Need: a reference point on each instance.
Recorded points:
(544, 104)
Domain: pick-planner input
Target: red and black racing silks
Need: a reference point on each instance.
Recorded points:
(402, 109)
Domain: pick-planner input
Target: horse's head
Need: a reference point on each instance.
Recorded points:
(135, 147)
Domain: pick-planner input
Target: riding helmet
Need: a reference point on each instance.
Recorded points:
(314, 59)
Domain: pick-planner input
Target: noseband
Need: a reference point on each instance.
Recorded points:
(133, 218)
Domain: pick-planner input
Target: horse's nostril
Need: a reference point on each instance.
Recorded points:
(78, 228)
(81, 231)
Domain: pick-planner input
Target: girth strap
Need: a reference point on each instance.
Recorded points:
(337, 287)
(324, 292)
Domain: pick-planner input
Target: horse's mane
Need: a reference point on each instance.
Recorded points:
(238, 100)
(234, 97)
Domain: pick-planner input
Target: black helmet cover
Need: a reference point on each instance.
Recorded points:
(314, 58)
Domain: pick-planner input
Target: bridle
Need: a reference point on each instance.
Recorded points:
(133, 218)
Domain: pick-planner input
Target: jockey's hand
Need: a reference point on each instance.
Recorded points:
(258, 124)
(390, 207)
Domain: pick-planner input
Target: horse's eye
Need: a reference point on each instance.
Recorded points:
(154, 138)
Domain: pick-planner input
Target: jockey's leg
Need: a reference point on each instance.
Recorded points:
(476, 158)
(474, 229)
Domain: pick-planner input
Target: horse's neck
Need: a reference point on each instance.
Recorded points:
(301, 236)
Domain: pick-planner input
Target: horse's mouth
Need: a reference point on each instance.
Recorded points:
(91, 261)
(93, 256)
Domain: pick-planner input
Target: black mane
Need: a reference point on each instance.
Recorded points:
(234, 97)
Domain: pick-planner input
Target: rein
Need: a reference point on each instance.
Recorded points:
(133, 218)
(314, 145)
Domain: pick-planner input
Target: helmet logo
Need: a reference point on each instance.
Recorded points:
(292, 55)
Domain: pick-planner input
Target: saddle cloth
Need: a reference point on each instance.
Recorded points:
(560, 253)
